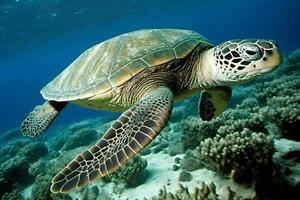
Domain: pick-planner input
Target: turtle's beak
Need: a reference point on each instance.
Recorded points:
(270, 60)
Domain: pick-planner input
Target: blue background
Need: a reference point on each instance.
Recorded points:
(38, 39)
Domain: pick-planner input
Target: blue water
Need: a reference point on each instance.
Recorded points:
(38, 39)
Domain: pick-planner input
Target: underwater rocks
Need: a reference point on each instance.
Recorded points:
(247, 154)
(185, 176)
(190, 164)
(37, 168)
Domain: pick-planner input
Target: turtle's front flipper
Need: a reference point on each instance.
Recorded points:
(213, 102)
(129, 134)
(41, 118)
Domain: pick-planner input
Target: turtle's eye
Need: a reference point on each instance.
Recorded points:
(250, 52)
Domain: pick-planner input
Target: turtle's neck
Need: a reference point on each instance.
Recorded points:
(203, 71)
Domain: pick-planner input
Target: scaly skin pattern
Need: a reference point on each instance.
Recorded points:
(178, 75)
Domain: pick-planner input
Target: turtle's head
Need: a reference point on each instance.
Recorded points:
(241, 60)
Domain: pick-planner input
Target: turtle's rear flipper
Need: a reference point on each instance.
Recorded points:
(41, 118)
(129, 134)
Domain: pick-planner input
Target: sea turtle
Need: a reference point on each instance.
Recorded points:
(141, 73)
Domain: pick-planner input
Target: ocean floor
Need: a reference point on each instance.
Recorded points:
(251, 151)
(160, 173)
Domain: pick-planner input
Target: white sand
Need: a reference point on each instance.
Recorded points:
(161, 173)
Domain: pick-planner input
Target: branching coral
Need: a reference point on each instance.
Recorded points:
(244, 153)
(194, 130)
(283, 86)
(244, 116)
(204, 192)
(285, 113)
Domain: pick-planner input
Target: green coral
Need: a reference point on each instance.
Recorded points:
(286, 85)
(244, 153)
(10, 150)
(12, 134)
(80, 137)
(34, 151)
(14, 195)
(243, 116)
(195, 130)
(41, 190)
(37, 168)
(13, 171)
(131, 171)
(284, 111)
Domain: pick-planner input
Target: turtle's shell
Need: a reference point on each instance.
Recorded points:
(115, 61)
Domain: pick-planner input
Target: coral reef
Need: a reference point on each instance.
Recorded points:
(203, 192)
(244, 153)
(12, 172)
(194, 130)
(78, 134)
(37, 168)
(14, 195)
(239, 143)
(15, 170)
(271, 105)
(80, 137)
(41, 190)
(10, 150)
(91, 193)
(131, 172)
(284, 112)
(10, 135)
(33, 151)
